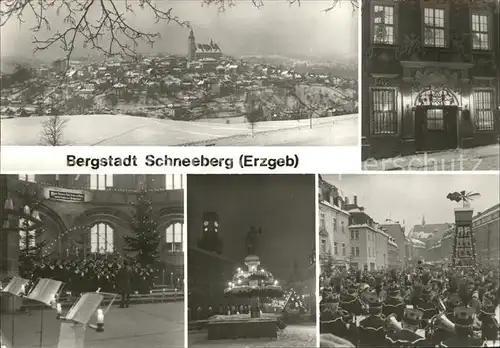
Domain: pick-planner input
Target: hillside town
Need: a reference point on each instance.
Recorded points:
(204, 84)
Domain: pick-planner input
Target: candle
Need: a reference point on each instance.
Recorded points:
(100, 316)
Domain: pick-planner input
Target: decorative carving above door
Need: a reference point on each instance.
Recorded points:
(436, 77)
(436, 97)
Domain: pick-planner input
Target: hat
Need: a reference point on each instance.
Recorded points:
(373, 301)
(488, 307)
(351, 287)
(454, 301)
(394, 290)
(333, 298)
(464, 316)
(426, 291)
(412, 316)
(336, 280)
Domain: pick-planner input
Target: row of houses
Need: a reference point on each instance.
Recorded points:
(352, 239)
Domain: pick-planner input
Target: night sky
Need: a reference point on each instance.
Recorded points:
(282, 205)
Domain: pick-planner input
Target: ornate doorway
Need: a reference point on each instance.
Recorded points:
(436, 120)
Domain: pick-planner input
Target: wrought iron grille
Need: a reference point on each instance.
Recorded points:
(484, 114)
(385, 120)
(436, 97)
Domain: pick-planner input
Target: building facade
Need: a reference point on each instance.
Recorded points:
(84, 215)
(430, 76)
(393, 254)
(486, 231)
(333, 225)
(397, 233)
(369, 244)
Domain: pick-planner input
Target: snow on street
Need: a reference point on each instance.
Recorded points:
(291, 336)
(479, 158)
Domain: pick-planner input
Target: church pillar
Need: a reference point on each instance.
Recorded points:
(408, 122)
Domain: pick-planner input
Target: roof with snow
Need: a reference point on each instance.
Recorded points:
(428, 230)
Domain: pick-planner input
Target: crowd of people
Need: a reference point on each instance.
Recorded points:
(106, 273)
(422, 306)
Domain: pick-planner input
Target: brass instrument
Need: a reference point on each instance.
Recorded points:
(392, 323)
(440, 305)
(441, 321)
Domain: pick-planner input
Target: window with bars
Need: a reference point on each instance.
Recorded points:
(384, 111)
(435, 120)
(174, 237)
(434, 27)
(101, 239)
(384, 25)
(101, 181)
(484, 113)
(480, 32)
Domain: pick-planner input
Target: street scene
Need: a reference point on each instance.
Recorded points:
(252, 274)
(419, 274)
(207, 80)
(430, 86)
(92, 261)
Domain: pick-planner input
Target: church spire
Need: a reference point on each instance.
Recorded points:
(423, 220)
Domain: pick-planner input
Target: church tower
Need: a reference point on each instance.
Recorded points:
(191, 46)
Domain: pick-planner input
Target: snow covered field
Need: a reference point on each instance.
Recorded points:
(118, 130)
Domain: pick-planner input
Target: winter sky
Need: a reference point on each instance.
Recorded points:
(407, 197)
(277, 28)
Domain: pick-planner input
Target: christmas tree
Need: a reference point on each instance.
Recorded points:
(294, 302)
(145, 238)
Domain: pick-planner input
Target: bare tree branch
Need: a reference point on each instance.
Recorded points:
(112, 33)
(52, 130)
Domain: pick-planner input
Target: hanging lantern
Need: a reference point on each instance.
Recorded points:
(9, 204)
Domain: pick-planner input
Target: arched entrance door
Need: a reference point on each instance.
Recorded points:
(436, 120)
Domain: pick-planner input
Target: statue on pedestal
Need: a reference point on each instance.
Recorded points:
(252, 239)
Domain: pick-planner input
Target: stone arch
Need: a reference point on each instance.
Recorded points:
(167, 217)
(53, 225)
(437, 96)
(117, 219)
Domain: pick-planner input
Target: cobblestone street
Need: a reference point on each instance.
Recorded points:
(147, 325)
(480, 158)
(291, 336)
